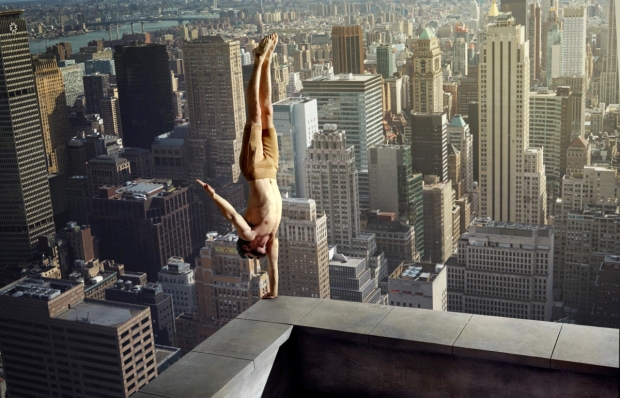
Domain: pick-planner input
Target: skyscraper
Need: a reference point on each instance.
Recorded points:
(216, 106)
(460, 136)
(332, 182)
(574, 42)
(459, 57)
(348, 49)
(73, 78)
(518, 8)
(438, 236)
(95, 87)
(226, 284)
(100, 347)
(386, 61)
(534, 27)
(354, 104)
(303, 253)
(503, 269)
(296, 120)
(54, 114)
(111, 115)
(610, 79)
(392, 182)
(25, 201)
(144, 92)
(429, 144)
(144, 223)
(426, 76)
(510, 173)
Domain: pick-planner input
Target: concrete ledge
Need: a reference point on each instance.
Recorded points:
(309, 347)
(251, 340)
(199, 375)
(587, 349)
(343, 320)
(419, 330)
(517, 341)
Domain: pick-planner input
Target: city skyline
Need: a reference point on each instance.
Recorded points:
(463, 159)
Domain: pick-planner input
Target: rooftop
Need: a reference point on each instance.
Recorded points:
(303, 347)
(457, 121)
(294, 100)
(427, 34)
(103, 313)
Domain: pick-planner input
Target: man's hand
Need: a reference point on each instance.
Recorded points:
(207, 187)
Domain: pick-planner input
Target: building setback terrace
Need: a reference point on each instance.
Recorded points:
(302, 347)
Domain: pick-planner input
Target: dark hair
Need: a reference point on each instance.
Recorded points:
(243, 252)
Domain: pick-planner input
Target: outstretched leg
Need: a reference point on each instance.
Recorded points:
(266, 108)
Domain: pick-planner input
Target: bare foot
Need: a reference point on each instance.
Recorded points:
(265, 44)
(269, 296)
(272, 46)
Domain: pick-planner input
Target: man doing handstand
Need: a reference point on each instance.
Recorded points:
(258, 228)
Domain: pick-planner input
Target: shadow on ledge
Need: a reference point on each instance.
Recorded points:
(301, 347)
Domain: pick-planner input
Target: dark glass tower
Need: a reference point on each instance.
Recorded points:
(25, 202)
(145, 93)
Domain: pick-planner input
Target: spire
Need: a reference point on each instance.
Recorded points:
(493, 12)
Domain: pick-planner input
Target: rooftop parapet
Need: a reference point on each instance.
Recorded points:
(303, 347)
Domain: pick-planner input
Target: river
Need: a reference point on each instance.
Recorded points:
(78, 41)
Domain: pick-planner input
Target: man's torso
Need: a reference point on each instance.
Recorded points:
(264, 204)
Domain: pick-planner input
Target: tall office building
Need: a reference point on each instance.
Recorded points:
(73, 78)
(459, 135)
(348, 49)
(551, 121)
(332, 181)
(438, 200)
(54, 114)
(578, 156)
(25, 201)
(100, 348)
(395, 239)
(605, 294)
(592, 185)
(425, 73)
(111, 115)
(392, 182)
(548, 6)
(178, 281)
(226, 284)
(574, 42)
(512, 179)
(534, 30)
(588, 235)
(503, 269)
(553, 59)
(144, 92)
(144, 223)
(216, 106)
(95, 87)
(304, 255)
(354, 104)
(518, 8)
(351, 279)
(459, 57)
(150, 295)
(296, 120)
(610, 78)
(105, 170)
(386, 61)
(429, 144)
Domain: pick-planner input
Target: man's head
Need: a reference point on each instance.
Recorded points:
(256, 248)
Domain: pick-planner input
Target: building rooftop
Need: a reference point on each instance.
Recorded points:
(457, 121)
(37, 288)
(487, 222)
(294, 100)
(427, 34)
(387, 226)
(99, 312)
(343, 77)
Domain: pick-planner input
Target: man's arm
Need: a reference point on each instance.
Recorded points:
(243, 229)
(272, 258)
